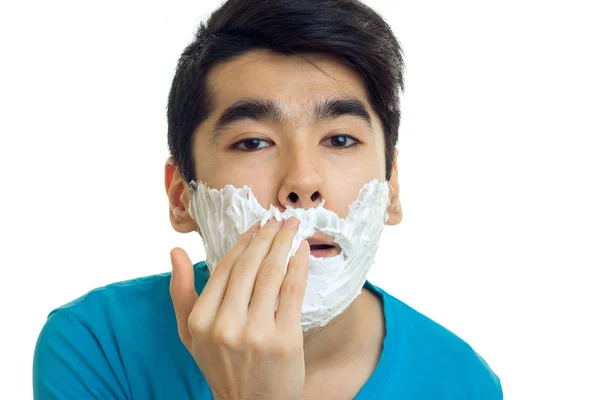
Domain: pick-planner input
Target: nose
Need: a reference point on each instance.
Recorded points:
(303, 185)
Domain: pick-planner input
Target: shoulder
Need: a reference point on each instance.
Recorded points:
(115, 308)
(96, 344)
(435, 358)
(126, 299)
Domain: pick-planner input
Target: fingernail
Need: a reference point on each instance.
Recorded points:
(274, 222)
(291, 223)
(305, 246)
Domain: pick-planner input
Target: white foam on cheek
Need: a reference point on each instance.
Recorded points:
(334, 282)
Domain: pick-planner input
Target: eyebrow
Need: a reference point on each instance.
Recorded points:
(259, 110)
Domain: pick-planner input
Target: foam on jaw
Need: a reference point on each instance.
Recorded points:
(334, 282)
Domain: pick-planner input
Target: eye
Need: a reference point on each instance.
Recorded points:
(342, 141)
(251, 144)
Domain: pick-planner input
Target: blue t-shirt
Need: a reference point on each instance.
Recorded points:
(121, 342)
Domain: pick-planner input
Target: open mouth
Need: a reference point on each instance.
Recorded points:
(323, 249)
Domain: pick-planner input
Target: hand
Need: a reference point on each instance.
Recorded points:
(244, 348)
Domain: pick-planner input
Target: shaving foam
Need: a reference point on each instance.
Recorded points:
(333, 283)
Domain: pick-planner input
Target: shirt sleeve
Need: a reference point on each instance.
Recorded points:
(69, 363)
(484, 383)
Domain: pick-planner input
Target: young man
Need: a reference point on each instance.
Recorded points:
(298, 101)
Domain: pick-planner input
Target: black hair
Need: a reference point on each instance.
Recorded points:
(347, 29)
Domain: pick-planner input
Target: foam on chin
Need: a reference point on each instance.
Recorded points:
(334, 282)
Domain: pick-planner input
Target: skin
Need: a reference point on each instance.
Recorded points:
(298, 162)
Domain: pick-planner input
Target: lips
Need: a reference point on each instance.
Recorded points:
(322, 246)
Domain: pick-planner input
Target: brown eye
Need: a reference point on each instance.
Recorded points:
(251, 144)
(342, 141)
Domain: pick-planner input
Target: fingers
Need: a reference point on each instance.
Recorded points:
(213, 293)
(271, 274)
(247, 282)
(244, 271)
(291, 295)
(183, 291)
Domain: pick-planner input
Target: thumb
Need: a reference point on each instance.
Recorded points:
(183, 292)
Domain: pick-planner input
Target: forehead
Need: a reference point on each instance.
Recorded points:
(295, 82)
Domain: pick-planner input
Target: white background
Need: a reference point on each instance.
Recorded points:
(498, 164)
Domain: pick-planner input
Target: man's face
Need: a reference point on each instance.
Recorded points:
(294, 133)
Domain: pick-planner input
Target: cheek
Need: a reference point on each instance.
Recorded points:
(342, 194)
(221, 173)
(263, 186)
(344, 184)
(370, 164)
(265, 193)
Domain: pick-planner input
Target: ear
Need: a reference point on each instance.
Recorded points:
(179, 199)
(394, 209)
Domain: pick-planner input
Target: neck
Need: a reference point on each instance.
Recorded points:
(352, 335)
